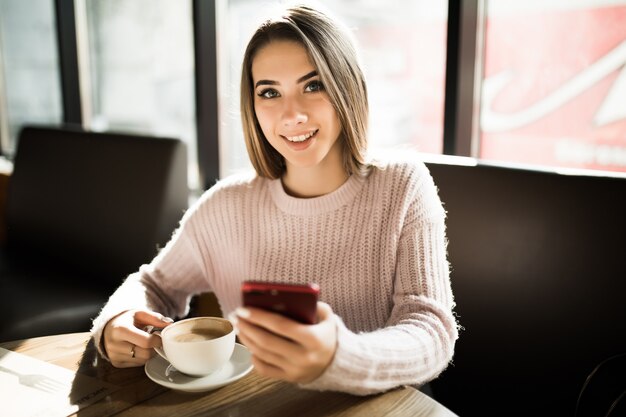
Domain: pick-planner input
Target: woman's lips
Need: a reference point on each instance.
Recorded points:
(302, 137)
(300, 142)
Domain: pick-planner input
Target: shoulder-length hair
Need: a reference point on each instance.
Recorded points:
(332, 51)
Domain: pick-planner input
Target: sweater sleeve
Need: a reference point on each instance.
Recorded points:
(164, 286)
(418, 340)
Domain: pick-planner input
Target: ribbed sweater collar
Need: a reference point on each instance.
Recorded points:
(316, 205)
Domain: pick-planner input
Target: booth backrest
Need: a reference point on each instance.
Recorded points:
(538, 271)
(98, 201)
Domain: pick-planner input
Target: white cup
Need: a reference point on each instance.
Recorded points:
(198, 346)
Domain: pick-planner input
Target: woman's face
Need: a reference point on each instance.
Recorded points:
(292, 107)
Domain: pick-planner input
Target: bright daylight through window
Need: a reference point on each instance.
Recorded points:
(554, 91)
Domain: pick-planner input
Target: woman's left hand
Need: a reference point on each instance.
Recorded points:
(285, 349)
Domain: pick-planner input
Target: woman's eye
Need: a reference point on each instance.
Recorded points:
(314, 86)
(268, 93)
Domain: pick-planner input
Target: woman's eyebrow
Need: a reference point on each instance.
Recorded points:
(298, 81)
(265, 82)
(307, 76)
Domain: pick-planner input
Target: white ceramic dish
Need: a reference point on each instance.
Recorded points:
(163, 373)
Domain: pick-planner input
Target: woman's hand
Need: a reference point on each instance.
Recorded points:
(285, 349)
(125, 341)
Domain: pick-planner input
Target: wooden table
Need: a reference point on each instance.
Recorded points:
(252, 395)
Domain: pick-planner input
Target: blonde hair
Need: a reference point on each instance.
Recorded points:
(332, 51)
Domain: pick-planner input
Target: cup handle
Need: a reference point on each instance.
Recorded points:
(161, 353)
(157, 331)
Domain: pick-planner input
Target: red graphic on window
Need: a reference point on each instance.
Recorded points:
(554, 91)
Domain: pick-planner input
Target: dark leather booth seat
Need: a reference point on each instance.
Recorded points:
(539, 275)
(83, 210)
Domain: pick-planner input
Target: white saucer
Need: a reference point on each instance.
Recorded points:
(163, 373)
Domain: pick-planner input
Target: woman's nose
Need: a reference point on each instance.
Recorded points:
(293, 113)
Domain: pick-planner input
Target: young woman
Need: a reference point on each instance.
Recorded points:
(372, 236)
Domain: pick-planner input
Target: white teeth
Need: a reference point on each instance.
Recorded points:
(300, 138)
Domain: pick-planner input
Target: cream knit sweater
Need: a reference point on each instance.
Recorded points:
(376, 246)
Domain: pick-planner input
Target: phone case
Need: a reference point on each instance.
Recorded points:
(298, 302)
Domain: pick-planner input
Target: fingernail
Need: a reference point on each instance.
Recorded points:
(232, 317)
(242, 312)
(167, 320)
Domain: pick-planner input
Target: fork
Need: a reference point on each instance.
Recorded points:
(39, 382)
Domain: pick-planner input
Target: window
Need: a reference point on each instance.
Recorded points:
(551, 86)
(142, 70)
(30, 89)
(403, 52)
(554, 89)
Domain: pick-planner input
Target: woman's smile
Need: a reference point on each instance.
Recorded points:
(301, 142)
(302, 137)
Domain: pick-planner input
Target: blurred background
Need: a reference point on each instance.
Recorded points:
(539, 82)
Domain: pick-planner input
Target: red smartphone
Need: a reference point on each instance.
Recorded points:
(296, 301)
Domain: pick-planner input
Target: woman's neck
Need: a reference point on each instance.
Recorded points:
(315, 181)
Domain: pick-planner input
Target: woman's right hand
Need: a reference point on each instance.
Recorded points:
(126, 342)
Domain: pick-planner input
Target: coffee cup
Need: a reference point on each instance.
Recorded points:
(198, 346)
